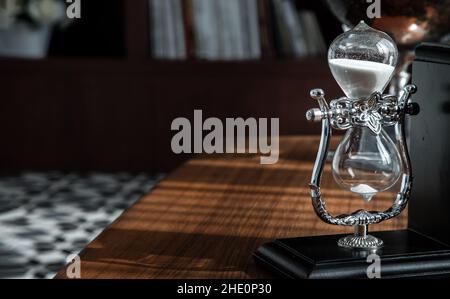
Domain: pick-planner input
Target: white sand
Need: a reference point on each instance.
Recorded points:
(366, 191)
(359, 78)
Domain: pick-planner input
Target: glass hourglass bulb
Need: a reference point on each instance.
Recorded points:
(363, 61)
(365, 163)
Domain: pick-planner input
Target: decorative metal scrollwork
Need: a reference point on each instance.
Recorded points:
(374, 113)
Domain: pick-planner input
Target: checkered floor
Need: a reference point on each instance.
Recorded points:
(44, 217)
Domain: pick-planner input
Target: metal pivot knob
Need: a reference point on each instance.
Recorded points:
(315, 115)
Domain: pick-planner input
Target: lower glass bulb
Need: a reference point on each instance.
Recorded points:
(366, 163)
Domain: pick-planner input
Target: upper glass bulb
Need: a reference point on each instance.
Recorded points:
(362, 61)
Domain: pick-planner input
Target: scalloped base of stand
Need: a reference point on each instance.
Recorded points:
(368, 242)
(405, 253)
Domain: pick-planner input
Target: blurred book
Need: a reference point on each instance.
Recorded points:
(265, 18)
(205, 29)
(291, 39)
(315, 41)
(226, 30)
(297, 32)
(167, 29)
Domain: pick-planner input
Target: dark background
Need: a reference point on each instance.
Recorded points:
(100, 102)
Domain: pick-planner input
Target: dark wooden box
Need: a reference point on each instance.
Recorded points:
(429, 207)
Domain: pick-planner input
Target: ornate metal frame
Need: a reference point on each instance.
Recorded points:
(375, 112)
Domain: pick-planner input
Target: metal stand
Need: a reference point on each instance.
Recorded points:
(361, 240)
(375, 112)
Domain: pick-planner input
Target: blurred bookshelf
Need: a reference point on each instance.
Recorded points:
(116, 36)
(120, 30)
(101, 100)
(128, 29)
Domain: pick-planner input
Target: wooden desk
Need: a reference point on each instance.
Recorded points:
(206, 218)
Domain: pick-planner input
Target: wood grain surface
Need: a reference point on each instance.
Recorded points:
(207, 217)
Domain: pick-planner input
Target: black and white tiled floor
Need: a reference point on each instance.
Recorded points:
(44, 217)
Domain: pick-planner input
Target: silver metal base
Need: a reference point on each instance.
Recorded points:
(361, 240)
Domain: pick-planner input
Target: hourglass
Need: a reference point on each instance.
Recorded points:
(367, 160)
